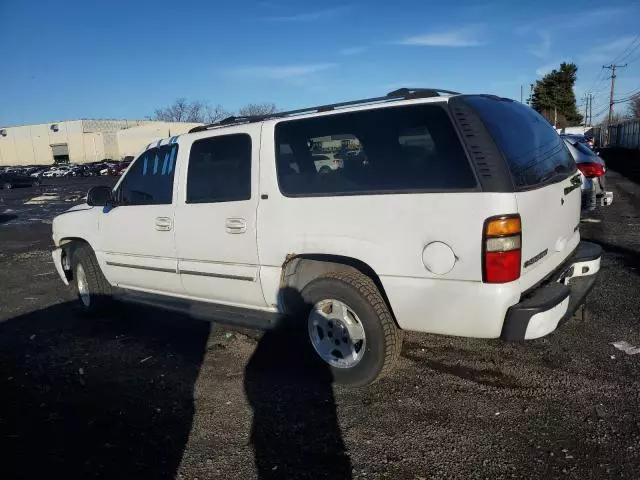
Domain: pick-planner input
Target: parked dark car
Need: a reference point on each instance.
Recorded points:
(592, 170)
(11, 180)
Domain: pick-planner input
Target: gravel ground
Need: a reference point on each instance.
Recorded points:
(139, 393)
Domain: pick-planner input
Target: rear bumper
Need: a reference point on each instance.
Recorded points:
(551, 304)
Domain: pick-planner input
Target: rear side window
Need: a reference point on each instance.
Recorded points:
(149, 181)
(534, 151)
(386, 150)
(220, 169)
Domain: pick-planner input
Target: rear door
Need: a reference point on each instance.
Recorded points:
(546, 183)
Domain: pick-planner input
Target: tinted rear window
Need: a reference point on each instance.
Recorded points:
(534, 151)
(582, 148)
(395, 149)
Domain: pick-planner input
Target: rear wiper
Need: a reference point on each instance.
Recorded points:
(552, 175)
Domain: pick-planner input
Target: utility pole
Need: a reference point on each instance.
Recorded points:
(612, 67)
(520, 93)
(586, 109)
(590, 108)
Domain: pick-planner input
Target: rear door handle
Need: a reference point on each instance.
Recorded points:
(163, 224)
(235, 225)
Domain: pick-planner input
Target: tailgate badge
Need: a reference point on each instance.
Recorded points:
(535, 258)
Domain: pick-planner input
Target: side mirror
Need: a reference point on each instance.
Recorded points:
(99, 196)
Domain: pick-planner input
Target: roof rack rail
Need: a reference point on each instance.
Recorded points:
(420, 92)
(401, 93)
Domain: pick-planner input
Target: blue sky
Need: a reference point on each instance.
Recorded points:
(123, 59)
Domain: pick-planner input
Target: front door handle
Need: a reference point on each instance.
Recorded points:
(164, 224)
(235, 225)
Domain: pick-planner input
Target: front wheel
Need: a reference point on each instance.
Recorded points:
(351, 328)
(92, 288)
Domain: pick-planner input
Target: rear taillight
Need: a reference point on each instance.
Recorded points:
(591, 170)
(502, 246)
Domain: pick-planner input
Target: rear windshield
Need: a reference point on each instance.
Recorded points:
(395, 149)
(534, 151)
(584, 149)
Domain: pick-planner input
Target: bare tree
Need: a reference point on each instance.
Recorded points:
(183, 110)
(215, 114)
(634, 106)
(257, 109)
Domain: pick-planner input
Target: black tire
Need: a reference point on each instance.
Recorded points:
(36, 183)
(7, 186)
(383, 338)
(324, 169)
(100, 290)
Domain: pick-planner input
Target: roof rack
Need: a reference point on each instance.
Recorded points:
(399, 94)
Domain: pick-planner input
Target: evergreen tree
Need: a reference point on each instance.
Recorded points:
(555, 91)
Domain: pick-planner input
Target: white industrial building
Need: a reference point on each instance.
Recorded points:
(82, 141)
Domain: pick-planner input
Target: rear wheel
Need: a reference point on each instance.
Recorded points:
(351, 328)
(7, 186)
(92, 288)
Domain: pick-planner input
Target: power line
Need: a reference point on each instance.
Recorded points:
(630, 61)
(622, 55)
(631, 93)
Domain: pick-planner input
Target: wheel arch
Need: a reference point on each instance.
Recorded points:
(68, 245)
(301, 269)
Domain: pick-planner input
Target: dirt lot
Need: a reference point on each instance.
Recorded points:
(140, 393)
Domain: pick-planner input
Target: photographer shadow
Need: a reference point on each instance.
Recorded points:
(295, 432)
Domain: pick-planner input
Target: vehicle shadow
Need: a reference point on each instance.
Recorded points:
(97, 398)
(7, 217)
(631, 258)
(624, 161)
(113, 396)
(295, 431)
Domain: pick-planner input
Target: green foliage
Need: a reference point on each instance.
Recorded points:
(555, 91)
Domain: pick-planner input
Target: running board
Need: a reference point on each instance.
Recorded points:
(211, 312)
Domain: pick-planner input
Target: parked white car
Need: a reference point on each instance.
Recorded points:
(56, 172)
(462, 221)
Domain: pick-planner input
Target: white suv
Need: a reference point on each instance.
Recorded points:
(458, 215)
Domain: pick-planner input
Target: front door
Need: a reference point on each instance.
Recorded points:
(215, 220)
(137, 235)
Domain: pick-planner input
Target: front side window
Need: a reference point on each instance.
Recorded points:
(149, 181)
(385, 150)
(220, 169)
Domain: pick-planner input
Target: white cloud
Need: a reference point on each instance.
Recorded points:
(452, 38)
(581, 19)
(310, 16)
(607, 51)
(542, 49)
(282, 72)
(352, 51)
(543, 70)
